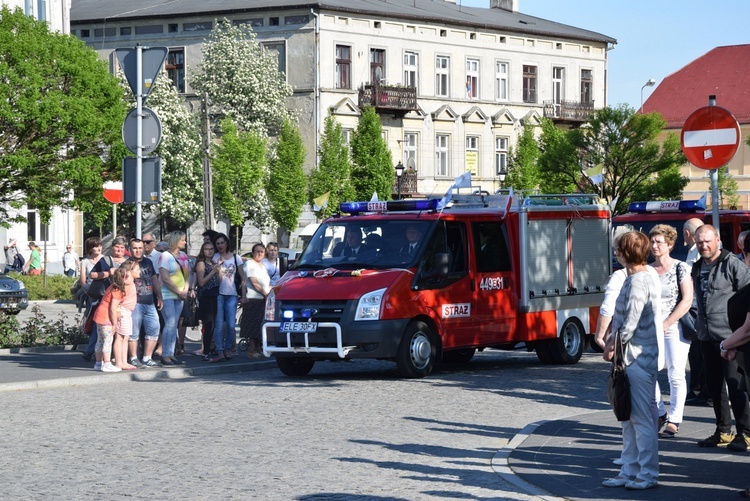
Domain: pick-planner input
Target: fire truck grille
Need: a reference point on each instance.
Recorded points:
(315, 311)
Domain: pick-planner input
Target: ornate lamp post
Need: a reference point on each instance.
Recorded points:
(399, 173)
(502, 175)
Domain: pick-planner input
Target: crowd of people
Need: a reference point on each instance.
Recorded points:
(647, 314)
(139, 296)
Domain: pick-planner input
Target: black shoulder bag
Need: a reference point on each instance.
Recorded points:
(687, 321)
(618, 386)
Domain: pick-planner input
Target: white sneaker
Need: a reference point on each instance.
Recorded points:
(108, 367)
(98, 367)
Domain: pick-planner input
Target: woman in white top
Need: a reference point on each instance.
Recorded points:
(226, 303)
(253, 303)
(676, 298)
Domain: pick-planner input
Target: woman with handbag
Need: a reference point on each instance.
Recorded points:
(676, 299)
(207, 278)
(230, 265)
(87, 277)
(174, 289)
(634, 326)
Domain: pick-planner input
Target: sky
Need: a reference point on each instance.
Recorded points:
(655, 38)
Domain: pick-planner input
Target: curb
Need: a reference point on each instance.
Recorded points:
(141, 375)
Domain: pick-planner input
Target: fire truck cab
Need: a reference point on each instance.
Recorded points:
(643, 216)
(418, 285)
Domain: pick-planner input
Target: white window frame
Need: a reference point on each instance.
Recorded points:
(530, 83)
(501, 153)
(442, 155)
(343, 65)
(472, 78)
(472, 145)
(587, 85)
(411, 149)
(558, 84)
(501, 80)
(411, 69)
(442, 76)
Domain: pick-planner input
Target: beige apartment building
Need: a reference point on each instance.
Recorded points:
(453, 85)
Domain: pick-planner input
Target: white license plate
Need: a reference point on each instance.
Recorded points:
(299, 326)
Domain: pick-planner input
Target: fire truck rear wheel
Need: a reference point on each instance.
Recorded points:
(417, 351)
(568, 347)
(295, 366)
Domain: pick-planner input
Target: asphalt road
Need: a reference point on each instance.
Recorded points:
(350, 430)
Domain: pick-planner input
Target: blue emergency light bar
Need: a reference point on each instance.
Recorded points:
(391, 206)
(666, 206)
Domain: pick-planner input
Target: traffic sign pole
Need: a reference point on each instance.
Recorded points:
(714, 185)
(139, 147)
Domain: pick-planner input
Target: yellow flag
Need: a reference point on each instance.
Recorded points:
(321, 202)
(596, 173)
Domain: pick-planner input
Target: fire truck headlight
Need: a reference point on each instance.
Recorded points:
(270, 314)
(369, 305)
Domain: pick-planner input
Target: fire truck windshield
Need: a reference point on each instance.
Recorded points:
(365, 243)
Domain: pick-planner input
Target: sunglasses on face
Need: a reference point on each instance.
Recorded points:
(147, 241)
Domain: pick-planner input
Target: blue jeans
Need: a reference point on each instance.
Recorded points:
(226, 313)
(145, 314)
(171, 313)
(70, 273)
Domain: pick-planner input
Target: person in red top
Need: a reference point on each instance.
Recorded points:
(117, 304)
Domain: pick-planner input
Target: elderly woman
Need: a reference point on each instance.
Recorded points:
(676, 299)
(258, 287)
(633, 324)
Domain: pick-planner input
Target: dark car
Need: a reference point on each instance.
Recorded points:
(13, 295)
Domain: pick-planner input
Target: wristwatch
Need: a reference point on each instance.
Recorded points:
(721, 346)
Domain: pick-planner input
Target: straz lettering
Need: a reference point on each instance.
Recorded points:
(492, 283)
(456, 310)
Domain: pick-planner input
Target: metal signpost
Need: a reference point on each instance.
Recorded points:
(141, 66)
(710, 138)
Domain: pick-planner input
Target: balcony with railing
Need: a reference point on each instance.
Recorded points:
(568, 111)
(395, 99)
(408, 185)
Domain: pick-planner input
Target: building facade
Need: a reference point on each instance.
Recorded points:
(453, 85)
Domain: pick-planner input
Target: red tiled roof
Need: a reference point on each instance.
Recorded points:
(723, 72)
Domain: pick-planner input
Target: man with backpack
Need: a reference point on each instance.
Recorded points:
(14, 260)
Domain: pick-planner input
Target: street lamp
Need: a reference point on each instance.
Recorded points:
(399, 173)
(651, 82)
(502, 175)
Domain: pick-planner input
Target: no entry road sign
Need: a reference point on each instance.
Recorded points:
(710, 137)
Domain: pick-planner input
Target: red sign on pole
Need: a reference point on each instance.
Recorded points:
(113, 191)
(710, 137)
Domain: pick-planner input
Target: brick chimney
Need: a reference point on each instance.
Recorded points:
(509, 5)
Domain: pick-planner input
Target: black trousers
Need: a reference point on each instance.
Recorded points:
(719, 372)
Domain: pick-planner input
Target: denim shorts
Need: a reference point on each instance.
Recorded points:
(145, 314)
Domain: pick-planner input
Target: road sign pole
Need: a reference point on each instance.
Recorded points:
(714, 184)
(139, 135)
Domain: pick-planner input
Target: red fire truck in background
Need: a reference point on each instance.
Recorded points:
(488, 271)
(643, 216)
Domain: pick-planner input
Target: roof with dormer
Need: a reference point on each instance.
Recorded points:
(439, 11)
(723, 72)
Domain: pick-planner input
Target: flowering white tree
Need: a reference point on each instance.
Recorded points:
(180, 151)
(242, 79)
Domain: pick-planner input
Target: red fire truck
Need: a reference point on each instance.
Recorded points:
(643, 216)
(485, 272)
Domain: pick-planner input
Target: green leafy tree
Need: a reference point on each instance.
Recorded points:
(239, 172)
(60, 118)
(555, 150)
(334, 170)
(627, 147)
(242, 79)
(287, 181)
(373, 166)
(523, 173)
(728, 196)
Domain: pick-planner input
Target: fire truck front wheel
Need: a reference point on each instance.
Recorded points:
(417, 351)
(295, 366)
